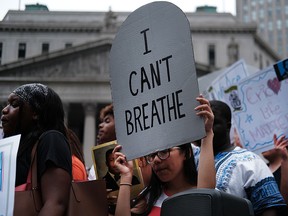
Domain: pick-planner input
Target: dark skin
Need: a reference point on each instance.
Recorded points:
(11, 123)
(221, 128)
(55, 182)
(221, 141)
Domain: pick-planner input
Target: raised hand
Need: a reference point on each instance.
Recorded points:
(205, 111)
(281, 145)
(124, 167)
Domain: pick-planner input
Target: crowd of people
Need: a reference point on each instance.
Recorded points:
(36, 112)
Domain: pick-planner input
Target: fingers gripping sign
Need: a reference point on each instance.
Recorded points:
(125, 167)
(205, 111)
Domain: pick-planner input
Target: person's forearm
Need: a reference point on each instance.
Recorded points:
(284, 180)
(123, 200)
(206, 171)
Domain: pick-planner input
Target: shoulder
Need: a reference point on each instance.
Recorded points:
(52, 134)
(53, 143)
(238, 155)
(53, 137)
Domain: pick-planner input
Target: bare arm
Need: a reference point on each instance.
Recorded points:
(269, 212)
(279, 157)
(274, 156)
(282, 145)
(284, 180)
(55, 188)
(206, 171)
(126, 172)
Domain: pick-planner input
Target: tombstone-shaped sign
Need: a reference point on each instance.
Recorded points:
(153, 80)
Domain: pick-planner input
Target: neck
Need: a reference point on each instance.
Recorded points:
(174, 187)
(224, 148)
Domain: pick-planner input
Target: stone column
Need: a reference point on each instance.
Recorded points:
(89, 132)
(66, 110)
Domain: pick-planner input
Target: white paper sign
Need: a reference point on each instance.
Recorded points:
(8, 154)
(231, 76)
(154, 82)
(263, 110)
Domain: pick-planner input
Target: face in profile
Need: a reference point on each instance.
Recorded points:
(11, 122)
(106, 130)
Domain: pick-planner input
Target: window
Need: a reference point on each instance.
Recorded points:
(45, 48)
(254, 16)
(286, 10)
(246, 19)
(270, 26)
(261, 13)
(211, 55)
(1, 47)
(279, 24)
(67, 45)
(21, 50)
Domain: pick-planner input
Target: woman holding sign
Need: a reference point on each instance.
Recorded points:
(174, 170)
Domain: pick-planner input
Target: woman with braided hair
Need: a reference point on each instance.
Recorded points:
(36, 112)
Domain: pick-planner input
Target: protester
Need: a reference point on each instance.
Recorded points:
(36, 112)
(241, 172)
(106, 132)
(78, 164)
(174, 170)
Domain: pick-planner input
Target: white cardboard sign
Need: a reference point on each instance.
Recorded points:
(260, 109)
(8, 155)
(231, 76)
(154, 82)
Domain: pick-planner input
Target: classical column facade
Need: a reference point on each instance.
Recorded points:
(89, 133)
(66, 111)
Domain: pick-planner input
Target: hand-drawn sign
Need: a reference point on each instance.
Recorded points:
(154, 82)
(264, 110)
(231, 76)
(8, 150)
(281, 69)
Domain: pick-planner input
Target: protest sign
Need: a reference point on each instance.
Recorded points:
(261, 109)
(281, 69)
(154, 82)
(231, 76)
(8, 154)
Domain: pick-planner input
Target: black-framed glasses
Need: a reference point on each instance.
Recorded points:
(162, 155)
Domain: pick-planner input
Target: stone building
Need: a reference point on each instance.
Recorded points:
(272, 19)
(69, 51)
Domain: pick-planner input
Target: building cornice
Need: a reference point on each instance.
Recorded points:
(41, 27)
(258, 39)
(52, 55)
(236, 28)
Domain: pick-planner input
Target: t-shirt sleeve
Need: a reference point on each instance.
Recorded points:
(261, 187)
(53, 150)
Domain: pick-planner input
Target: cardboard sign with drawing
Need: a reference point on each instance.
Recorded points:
(262, 109)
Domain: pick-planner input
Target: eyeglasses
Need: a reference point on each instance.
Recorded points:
(162, 155)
